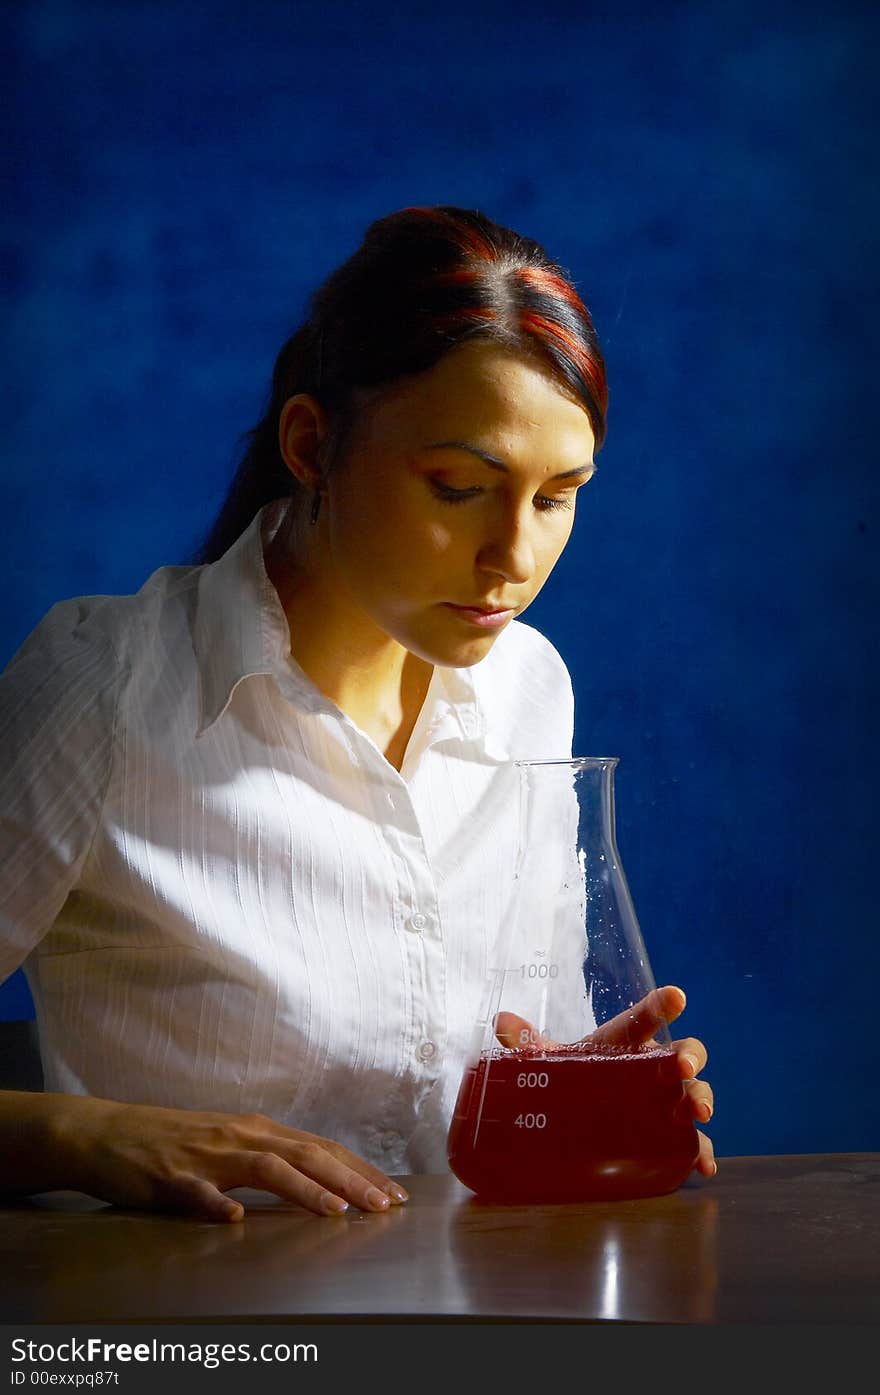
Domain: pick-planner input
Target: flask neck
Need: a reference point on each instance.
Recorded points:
(595, 784)
(547, 788)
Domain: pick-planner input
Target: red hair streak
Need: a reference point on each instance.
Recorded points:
(469, 239)
(546, 330)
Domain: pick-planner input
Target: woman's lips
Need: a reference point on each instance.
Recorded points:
(474, 615)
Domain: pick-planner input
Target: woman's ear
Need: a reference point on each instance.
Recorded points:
(302, 427)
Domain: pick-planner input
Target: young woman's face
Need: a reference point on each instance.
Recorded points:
(454, 499)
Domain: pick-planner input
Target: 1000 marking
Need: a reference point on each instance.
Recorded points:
(538, 970)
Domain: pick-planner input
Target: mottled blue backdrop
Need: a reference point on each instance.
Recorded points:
(176, 180)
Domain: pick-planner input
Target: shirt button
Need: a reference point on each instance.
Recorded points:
(427, 1051)
(417, 921)
(388, 1140)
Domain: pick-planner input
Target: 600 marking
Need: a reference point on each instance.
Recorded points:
(533, 1079)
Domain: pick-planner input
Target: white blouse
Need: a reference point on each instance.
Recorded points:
(222, 893)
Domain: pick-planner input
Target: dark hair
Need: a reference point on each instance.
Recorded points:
(423, 281)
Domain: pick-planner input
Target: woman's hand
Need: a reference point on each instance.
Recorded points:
(636, 1027)
(185, 1160)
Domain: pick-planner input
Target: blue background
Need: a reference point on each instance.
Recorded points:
(178, 177)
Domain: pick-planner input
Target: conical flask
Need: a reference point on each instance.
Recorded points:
(564, 1097)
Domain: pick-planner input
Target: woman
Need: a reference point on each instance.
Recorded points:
(239, 806)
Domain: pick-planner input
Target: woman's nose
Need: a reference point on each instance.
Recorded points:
(509, 552)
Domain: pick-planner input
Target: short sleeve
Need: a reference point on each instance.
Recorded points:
(58, 702)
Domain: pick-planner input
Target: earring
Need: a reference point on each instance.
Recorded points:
(316, 507)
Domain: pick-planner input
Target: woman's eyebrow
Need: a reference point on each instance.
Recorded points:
(494, 463)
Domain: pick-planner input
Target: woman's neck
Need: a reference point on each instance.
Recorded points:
(368, 674)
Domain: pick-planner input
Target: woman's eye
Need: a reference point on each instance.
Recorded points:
(545, 503)
(453, 496)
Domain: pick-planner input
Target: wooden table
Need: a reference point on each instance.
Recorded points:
(769, 1240)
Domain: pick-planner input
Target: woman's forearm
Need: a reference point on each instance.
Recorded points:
(34, 1129)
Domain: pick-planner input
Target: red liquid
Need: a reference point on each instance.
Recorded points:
(557, 1126)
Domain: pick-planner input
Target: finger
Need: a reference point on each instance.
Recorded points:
(290, 1144)
(317, 1180)
(517, 1032)
(706, 1163)
(393, 1190)
(702, 1100)
(637, 1024)
(268, 1172)
(692, 1056)
(198, 1197)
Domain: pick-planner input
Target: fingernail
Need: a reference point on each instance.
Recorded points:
(333, 1205)
(708, 1112)
(396, 1193)
(377, 1198)
(693, 1061)
(714, 1168)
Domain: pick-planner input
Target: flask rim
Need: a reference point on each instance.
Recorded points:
(576, 762)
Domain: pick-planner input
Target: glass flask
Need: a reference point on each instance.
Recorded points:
(567, 1095)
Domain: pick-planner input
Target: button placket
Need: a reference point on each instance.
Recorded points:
(426, 1029)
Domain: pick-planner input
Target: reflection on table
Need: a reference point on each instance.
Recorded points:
(769, 1240)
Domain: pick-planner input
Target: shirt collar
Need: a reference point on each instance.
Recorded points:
(461, 708)
(489, 704)
(241, 630)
